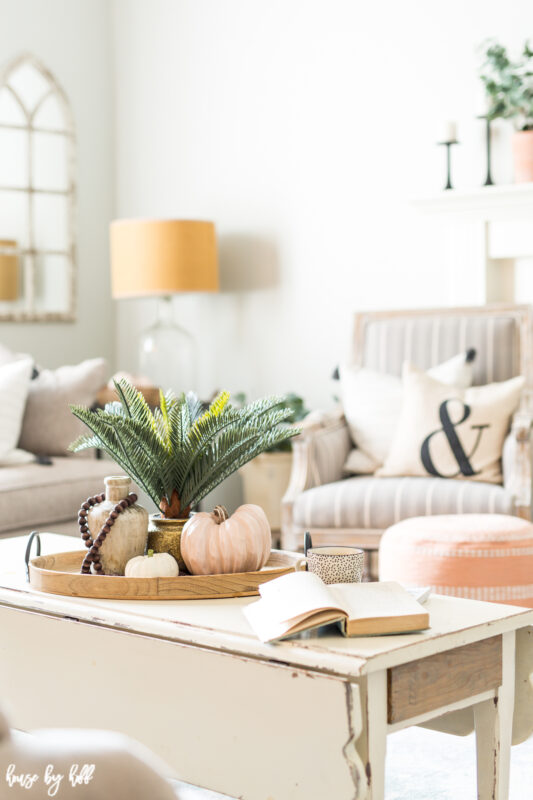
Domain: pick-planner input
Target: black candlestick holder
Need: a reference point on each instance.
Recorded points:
(448, 146)
(488, 180)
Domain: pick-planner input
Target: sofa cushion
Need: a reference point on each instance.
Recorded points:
(33, 495)
(14, 385)
(377, 503)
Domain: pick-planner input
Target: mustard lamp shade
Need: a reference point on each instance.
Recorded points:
(162, 257)
(9, 270)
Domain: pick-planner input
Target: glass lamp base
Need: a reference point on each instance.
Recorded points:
(168, 353)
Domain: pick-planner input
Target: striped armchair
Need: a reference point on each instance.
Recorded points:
(356, 510)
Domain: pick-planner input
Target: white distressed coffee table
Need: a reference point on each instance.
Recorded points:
(307, 718)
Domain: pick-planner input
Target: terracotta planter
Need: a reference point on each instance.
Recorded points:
(127, 537)
(265, 481)
(523, 156)
(164, 536)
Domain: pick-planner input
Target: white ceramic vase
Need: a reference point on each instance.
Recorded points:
(127, 537)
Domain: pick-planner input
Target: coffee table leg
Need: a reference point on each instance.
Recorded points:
(494, 724)
(372, 744)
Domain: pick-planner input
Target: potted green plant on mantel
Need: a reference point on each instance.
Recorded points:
(181, 451)
(266, 478)
(509, 88)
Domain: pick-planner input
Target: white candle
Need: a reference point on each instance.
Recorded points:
(448, 132)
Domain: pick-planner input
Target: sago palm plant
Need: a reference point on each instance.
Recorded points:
(180, 452)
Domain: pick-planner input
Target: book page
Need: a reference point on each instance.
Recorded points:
(268, 629)
(295, 594)
(374, 600)
(288, 602)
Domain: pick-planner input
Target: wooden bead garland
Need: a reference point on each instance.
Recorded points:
(93, 556)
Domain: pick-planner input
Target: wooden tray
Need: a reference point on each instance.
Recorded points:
(59, 573)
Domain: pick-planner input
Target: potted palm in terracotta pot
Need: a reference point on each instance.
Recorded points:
(509, 88)
(181, 451)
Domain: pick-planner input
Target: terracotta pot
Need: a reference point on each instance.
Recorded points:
(523, 156)
(127, 537)
(164, 536)
(265, 480)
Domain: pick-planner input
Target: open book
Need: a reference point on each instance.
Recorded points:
(300, 600)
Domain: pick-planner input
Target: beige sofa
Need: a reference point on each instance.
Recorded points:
(47, 497)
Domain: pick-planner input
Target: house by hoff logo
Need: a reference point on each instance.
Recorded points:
(77, 776)
(454, 442)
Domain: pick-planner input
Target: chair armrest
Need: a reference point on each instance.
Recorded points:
(318, 456)
(516, 462)
(318, 453)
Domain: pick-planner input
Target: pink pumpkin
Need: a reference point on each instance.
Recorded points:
(214, 543)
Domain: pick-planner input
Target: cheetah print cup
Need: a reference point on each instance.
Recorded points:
(336, 564)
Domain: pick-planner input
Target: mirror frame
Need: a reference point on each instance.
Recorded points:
(30, 313)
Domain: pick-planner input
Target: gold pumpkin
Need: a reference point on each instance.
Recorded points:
(216, 543)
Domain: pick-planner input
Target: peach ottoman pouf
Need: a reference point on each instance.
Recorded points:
(478, 556)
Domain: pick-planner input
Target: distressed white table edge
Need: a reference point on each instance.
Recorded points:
(173, 620)
(355, 758)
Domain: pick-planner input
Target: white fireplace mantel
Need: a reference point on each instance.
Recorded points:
(489, 241)
(487, 201)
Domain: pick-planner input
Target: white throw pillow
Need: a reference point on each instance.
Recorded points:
(49, 426)
(359, 463)
(372, 403)
(449, 432)
(14, 385)
(7, 356)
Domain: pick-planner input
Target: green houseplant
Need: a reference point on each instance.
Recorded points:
(265, 479)
(509, 88)
(181, 451)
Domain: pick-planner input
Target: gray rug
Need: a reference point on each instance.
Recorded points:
(426, 765)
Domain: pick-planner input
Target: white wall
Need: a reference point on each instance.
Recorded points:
(302, 128)
(73, 39)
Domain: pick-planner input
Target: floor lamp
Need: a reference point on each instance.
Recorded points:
(159, 258)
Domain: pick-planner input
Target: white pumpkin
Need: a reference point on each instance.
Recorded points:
(216, 543)
(153, 565)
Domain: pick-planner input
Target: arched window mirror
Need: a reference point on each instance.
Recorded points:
(37, 195)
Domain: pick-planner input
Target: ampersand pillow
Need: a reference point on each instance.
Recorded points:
(372, 400)
(449, 432)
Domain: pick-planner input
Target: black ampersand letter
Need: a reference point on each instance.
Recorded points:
(448, 428)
